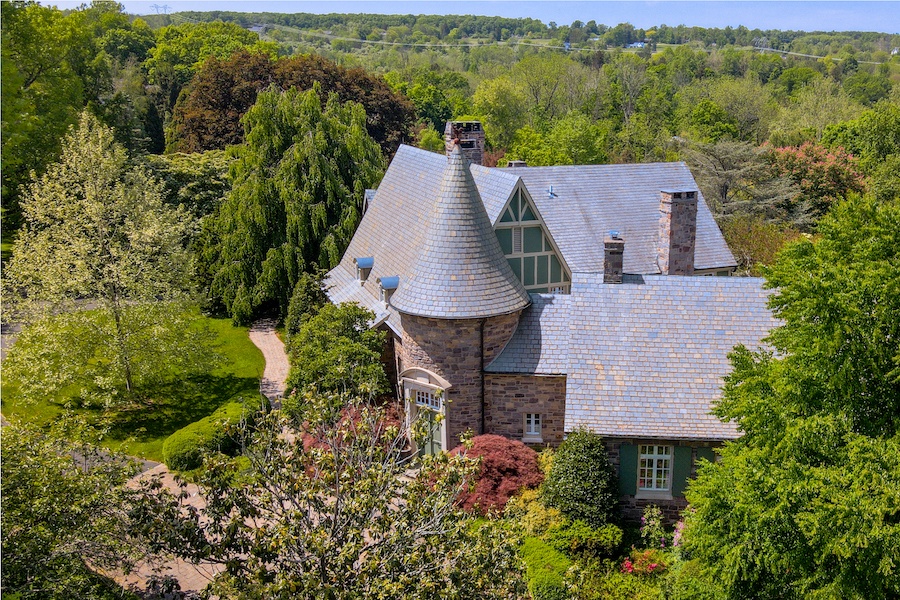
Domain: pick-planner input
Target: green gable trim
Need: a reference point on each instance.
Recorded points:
(681, 470)
(628, 463)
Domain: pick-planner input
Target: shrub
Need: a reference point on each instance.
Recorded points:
(582, 483)
(687, 580)
(531, 515)
(336, 351)
(578, 539)
(507, 466)
(594, 581)
(645, 562)
(653, 534)
(185, 449)
(545, 570)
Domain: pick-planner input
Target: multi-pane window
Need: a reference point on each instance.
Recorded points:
(428, 399)
(655, 468)
(528, 248)
(532, 425)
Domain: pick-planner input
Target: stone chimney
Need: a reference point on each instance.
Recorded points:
(469, 135)
(613, 253)
(677, 231)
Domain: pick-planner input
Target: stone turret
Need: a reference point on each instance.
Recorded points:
(462, 301)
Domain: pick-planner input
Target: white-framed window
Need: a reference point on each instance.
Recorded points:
(532, 431)
(427, 398)
(655, 468)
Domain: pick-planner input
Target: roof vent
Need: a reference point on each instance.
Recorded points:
(388, 286)
(363, 268)
(550, 193)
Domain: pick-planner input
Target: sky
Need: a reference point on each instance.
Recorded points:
(815, 15)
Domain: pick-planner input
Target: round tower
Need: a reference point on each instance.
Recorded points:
(459, 307)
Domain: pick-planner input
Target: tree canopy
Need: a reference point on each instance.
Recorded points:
(296, 199)
(97, 235)
(208, 116)
(335, 514)
(64, 515)
(805, 502)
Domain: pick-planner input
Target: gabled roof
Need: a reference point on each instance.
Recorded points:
(644, 358)
(460, 271)
(590, 200)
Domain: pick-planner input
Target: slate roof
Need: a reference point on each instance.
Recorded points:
(645, 358)
(540, 345)
(590, 200)
(460, 271)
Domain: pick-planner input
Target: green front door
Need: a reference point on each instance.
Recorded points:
(432, 442)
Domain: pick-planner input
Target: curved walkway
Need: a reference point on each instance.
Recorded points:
(193, 578)
(263, 336)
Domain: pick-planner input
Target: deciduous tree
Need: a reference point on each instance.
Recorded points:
(805, 503)
(208, 116)
(97, 235)
(64, 515)
(336, 351)
(338, 517)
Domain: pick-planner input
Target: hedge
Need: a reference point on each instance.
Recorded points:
(545, 569)
(186, 448)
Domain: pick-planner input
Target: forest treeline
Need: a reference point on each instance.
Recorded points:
(437, 28)
(772, 138)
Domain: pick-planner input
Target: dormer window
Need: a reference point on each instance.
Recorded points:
(388, 286)
(363, 268)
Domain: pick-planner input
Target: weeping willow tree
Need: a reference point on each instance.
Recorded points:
(296, 199)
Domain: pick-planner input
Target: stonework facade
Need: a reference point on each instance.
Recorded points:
(457, 350)
(509, 397)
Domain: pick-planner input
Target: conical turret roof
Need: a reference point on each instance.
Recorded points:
(461, 271)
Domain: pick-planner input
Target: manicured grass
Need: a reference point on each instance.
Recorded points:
(141, 430)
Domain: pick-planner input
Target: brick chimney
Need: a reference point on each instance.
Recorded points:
(469, 135)
(613, 253)
(677, 231)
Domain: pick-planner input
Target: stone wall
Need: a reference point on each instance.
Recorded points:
(509, 397)
(451, 348)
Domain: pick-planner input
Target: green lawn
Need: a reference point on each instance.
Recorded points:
(141, 431)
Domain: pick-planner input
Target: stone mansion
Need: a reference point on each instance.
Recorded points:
(530, 301)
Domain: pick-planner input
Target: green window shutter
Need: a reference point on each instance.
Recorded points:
(706, 453)
(681, 470)
(628, 460)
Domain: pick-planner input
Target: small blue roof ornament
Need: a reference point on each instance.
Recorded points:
(389, 283)
(366, 262)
